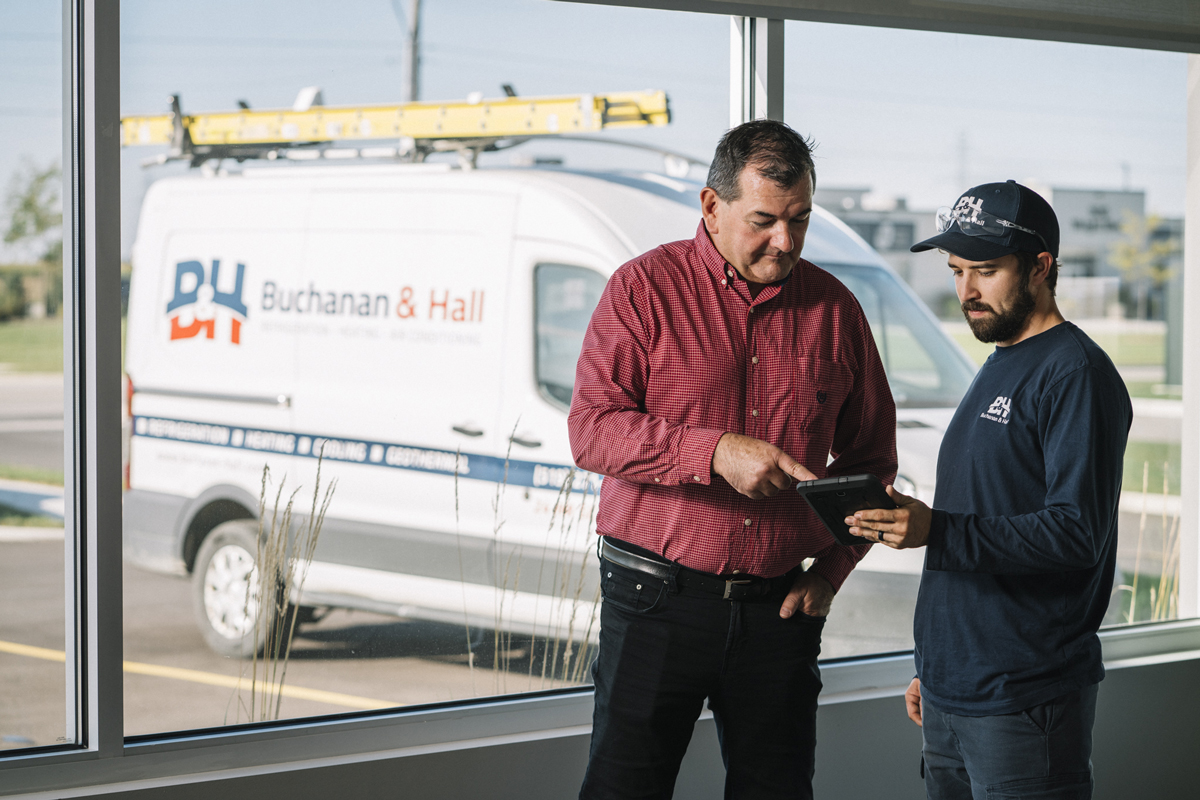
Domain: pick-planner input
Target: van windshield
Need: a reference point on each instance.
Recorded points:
(923, 366)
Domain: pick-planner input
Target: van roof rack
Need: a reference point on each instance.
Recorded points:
(467, 127)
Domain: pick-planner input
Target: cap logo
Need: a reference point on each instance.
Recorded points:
(968, 209)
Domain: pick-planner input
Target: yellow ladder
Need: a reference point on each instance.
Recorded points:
(475, 124)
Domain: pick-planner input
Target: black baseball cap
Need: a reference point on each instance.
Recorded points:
(994, 220)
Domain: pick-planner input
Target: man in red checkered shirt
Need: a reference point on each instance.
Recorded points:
(715, 373)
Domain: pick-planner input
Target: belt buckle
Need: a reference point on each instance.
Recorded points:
(729, 584)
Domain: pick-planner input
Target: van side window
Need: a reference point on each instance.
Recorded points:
(565, 297)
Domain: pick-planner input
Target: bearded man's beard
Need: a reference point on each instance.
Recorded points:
(1005, 325)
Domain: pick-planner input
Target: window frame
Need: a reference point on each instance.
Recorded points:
(101, 756)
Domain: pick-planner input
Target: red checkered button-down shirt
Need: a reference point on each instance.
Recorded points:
(677, 354)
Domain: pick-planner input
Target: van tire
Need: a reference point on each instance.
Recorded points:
(225, 571)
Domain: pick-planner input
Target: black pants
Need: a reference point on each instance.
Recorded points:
(663, 651)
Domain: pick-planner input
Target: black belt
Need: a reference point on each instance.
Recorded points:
(738, 588)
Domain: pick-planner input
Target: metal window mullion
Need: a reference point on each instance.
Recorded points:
(1189, 542)
(95, 368)
(756, 66)
(73, 725)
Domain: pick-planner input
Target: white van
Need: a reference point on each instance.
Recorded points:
(419, 325)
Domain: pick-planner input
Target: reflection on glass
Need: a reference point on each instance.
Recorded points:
(402, 313)
(566, 298)
(33, 629)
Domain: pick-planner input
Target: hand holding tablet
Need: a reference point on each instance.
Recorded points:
(835, 499)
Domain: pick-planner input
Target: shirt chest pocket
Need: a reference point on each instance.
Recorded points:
(820, 390)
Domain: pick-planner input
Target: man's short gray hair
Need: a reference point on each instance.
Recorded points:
(776, 152)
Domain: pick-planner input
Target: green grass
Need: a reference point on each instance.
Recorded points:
(35, 345)
(14, 516)
(32, 345)
(1154, 390)
(1163, 458)
(32, 474)
(1125, 349)
(1133, 349)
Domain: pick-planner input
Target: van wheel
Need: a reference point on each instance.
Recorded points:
(225, 591)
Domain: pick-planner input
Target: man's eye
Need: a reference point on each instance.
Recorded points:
(987, 273)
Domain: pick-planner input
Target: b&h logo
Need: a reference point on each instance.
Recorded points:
(999, 410)
(968, 209)
(198, 293)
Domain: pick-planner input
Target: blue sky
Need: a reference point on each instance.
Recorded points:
(891, 110)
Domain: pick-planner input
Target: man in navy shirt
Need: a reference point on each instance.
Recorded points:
(1021, 542)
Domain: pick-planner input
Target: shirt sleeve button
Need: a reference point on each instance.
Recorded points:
(658, 480)
(695, 477)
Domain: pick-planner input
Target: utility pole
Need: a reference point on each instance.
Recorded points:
(412, 46)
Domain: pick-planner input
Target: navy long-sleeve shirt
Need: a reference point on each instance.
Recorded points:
(1023, 542)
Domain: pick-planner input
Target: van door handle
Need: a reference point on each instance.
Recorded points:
(467, 430)
(524, 441)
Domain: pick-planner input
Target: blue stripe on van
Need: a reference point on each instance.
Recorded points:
(473, 466)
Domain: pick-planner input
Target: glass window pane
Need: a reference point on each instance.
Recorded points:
(566, 298)
(894, 144)
(34, 628)
(376, 304)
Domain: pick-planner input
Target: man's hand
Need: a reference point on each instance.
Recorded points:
(811, 594)
(898, 528)
(754, 467)
(912, 700)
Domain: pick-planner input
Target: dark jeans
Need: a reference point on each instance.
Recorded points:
(663, 651)
(1041, 753)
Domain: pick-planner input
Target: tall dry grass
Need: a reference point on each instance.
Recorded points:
(1164, 591)
(273, 597)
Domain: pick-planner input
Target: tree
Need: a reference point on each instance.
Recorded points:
(33, 206)
(1144, 256)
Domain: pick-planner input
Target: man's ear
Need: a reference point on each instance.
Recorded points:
(1041, 270)
(708, 207)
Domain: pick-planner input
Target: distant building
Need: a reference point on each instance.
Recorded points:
(891, 230)
(1090, 223)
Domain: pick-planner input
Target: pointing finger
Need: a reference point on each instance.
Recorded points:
(794, 468)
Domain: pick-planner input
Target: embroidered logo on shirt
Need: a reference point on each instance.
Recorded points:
(998, 411)
(821, 397)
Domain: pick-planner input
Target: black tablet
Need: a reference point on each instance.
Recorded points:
(834, 499)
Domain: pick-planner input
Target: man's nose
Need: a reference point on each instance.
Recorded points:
(967, 290)
(781, 239)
